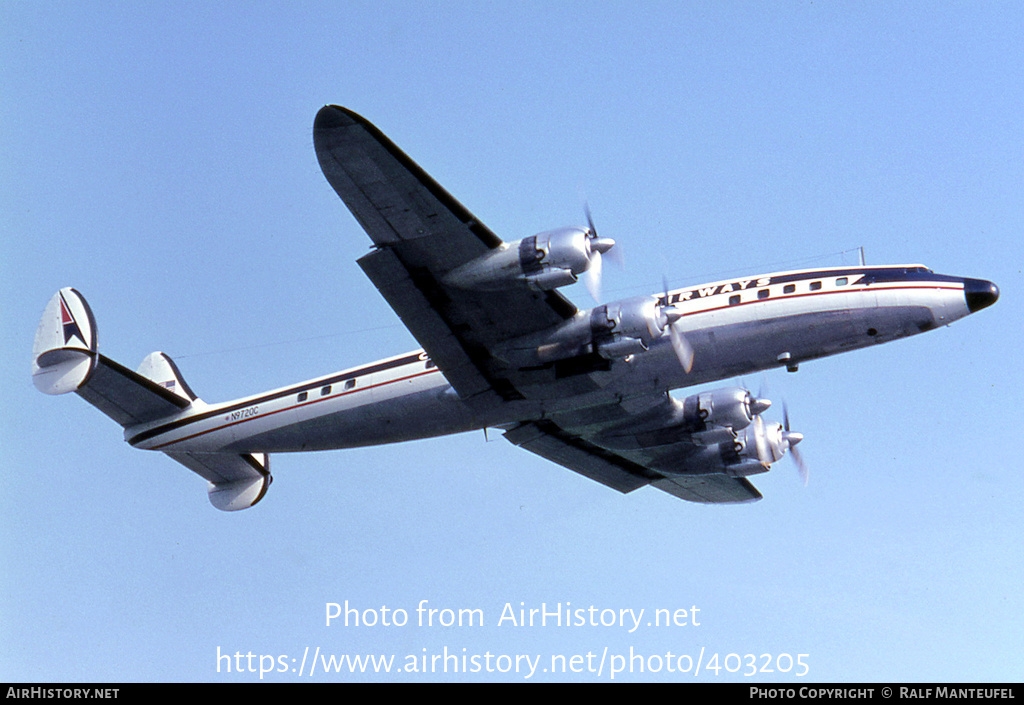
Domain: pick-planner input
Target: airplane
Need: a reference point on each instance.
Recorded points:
(502, 348)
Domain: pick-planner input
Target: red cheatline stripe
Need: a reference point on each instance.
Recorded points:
(294, 406)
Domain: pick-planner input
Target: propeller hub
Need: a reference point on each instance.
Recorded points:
(671, 316)
(792, 437)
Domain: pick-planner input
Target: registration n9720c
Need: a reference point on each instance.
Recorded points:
(243, 414)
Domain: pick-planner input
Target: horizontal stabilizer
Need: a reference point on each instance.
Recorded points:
(237, 481)
(127, 397)
(65, 359)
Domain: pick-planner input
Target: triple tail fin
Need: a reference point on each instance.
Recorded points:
(65, 359)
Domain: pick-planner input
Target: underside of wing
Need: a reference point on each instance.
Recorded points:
(421, 234)
(709, 489)
(624, 474)
(701, 448)
(549, 441)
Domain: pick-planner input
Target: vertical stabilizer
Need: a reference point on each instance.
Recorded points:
(160, 368)
(64, 351)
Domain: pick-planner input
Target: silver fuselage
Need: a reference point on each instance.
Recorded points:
(735, 326)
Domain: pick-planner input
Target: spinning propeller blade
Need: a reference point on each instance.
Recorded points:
(681, 346)
(792, 438)
(592, 278)
(597, 247)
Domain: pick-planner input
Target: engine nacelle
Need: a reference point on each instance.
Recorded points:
(759, 443)
(613, 331)
(749, 452)
(547, 260)
(731, 407)
(625, 327)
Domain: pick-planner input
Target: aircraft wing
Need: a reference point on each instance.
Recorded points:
(710, 489)
(626, 471)
(421, 233)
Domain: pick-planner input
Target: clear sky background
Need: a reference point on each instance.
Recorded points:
(159, 158)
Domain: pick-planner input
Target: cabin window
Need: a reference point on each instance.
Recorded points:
(324, 391)
(303, 396)
(815, 286)
(733, 300)
(763, 294)
(789, 288)
(349, 383)
(842, 281)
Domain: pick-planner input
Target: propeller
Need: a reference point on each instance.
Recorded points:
(668, 316)
(791, 438)
(596, 247)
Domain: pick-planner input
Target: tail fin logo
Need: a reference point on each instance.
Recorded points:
(69, 324)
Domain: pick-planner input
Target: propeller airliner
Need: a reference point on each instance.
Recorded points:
(587, 388)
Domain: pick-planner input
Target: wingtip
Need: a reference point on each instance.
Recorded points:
(328, 117)
(333, 116)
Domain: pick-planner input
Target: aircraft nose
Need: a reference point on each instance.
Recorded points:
(979, 294)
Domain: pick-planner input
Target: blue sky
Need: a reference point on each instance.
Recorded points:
(160, 160)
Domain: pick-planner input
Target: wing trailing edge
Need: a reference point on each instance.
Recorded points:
(548, 441)
(614, 470)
